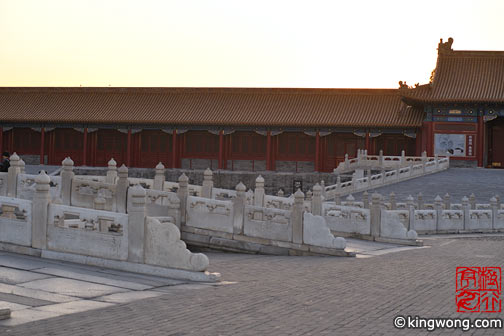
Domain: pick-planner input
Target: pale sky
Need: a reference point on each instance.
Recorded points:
(237, 43)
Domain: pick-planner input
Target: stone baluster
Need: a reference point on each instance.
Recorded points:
(337, 198)
(350, 200)
(40, 209)
(99, 203)
(259, 196)
(380, 158)
(338, 182)
(466, 207)
(111, 172)
(375, 212)
(447, 203)
(393, 202)
(472, 201)
(239, 208)
(436, 160)
(12, 174)
(403, 157)
(206, 189)
(438, 206)
(297, 217)
(136, 224)
(122, 189)
(22, 166)
(322, 185)
(354, 181)
(183, 192)
(309, 195)
(368, 173)
(316, 201)
(347, 163)
(495, 207)
(280, 193)
(424, 156)
(365, 199)
(159, 177)
(420, 201)
(67, 176)
(410, 204)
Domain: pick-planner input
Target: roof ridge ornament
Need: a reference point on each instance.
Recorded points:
(445, 47)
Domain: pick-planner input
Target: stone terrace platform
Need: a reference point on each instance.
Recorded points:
(271, 295)
(458, 182)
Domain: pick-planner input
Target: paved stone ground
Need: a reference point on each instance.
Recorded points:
(268, 295)
(36, 289)
(458, 182)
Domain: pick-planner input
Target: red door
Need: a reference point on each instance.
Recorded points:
(111, 144)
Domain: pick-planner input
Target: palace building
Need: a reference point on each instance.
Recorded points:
(252, 129)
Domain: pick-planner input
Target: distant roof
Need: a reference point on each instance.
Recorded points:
(209, 106)
(462, 77)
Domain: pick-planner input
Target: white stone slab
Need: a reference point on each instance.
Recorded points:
(35, 294)
(128, 296)
(93, 277)
(12, 306)
(74, 307)
(19, 262)
(14, 276)
(72, 287)
(27, 315)
(134, 267)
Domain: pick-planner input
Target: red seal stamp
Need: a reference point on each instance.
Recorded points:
(478, 289)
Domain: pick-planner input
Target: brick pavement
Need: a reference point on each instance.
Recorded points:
(271, 295)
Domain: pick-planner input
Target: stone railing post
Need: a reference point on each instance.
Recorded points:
(13, 172)
(380, 158)
(297, 217)
(316, 201)
(111, 172)
(375, 212)
(350, 200)
(420, 201)
(322, 185)
(368, 173)
(22, 166)
(447, 203)
(280, 193)
(159, 177)
(347, 163)
(424, 156)
(309, 195)
(403, 158)
(438, 206)
(40, 208)
(365, 199)
(337, 198)
(393, 202)
(466, 206)
(67, 176)
(259, 192)
(259, 196)
(495, 207)
(183, 192)
(354, 181)
(410, 204)
(122, 189)
(136, 224)
(206, 189)
(472, 201)
(239, 208)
